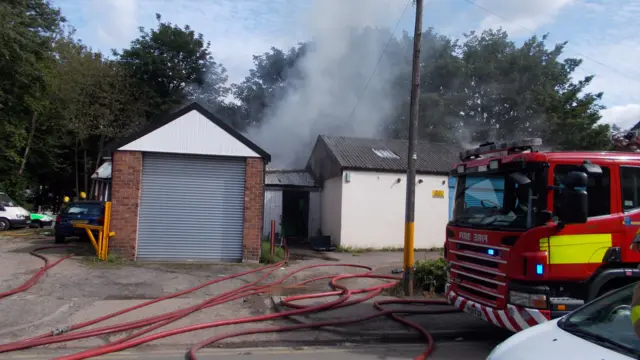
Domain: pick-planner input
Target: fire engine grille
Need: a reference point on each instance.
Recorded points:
(479, 271)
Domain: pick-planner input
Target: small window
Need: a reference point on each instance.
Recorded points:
(384, 153)
(598, 189)
(630, 186)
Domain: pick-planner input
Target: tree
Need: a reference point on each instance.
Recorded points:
(27, 30)
(167, 61)
(266, 83)
(100, 102)
(487, 88)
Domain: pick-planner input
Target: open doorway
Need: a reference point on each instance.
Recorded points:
(295, 214)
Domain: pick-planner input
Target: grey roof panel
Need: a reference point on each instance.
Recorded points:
(391, 154)
(289, 178)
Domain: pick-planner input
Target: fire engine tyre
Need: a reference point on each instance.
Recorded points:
(4, 224)
(614, 284)
(59, 239)
(611, 279)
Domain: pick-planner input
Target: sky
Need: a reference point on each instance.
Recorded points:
(601, 32)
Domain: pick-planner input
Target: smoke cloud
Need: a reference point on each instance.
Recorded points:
(333, 77)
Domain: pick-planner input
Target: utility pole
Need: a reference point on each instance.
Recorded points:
(412, 155)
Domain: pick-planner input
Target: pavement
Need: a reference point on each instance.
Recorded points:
(443, 351)
(78, 290)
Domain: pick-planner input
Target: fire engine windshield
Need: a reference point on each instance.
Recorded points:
(495, 201)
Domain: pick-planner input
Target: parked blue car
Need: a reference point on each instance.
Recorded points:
(78, 212)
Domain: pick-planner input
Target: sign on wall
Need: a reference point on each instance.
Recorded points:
(437, 194)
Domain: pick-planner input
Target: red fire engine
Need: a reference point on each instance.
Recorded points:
(535, 234)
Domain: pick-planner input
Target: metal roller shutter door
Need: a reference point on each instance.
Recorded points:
(191, 208)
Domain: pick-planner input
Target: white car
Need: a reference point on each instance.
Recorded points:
(599, 330)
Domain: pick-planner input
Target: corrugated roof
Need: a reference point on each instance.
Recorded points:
(391, 154)
(289, 178)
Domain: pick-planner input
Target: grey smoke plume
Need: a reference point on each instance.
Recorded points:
(333, 77)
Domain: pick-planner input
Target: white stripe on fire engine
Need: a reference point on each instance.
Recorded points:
(479, 307)
(515, 314)
(537, 316)
(457, 303)
(505, 320)
(492, 316)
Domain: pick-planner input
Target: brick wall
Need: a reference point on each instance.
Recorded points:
(126, 176)
(253, 209)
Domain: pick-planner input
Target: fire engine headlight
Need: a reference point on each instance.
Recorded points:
(538, 301)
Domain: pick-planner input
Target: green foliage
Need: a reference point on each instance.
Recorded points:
(487, 88)
(265, 83)
(14, 187)
(168, 61)
(265, 254)
(430, 275)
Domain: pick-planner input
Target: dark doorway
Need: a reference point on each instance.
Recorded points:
(295, 214)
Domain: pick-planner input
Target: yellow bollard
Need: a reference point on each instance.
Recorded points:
(107, 229)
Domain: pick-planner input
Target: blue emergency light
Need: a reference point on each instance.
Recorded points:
(491, 252)
(539, 269)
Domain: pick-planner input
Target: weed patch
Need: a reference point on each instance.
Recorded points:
(431, 275)
(265, 253)
(112, 260)
(429, 278)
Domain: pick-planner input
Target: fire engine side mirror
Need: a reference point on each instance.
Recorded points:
(575, 179)
(574, 202)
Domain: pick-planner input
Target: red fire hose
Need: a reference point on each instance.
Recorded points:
(34, 279)
(342, 294)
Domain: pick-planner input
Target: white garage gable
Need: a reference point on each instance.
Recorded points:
(192, 133)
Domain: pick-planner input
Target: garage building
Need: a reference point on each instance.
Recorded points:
(363, 184)
(187, 188)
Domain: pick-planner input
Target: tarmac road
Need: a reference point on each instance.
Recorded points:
(454, 350)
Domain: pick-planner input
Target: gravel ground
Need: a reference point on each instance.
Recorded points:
(80, 289)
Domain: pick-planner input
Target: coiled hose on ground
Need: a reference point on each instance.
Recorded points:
(343, 297)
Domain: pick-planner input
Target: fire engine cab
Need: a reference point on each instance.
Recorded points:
(534, 235)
